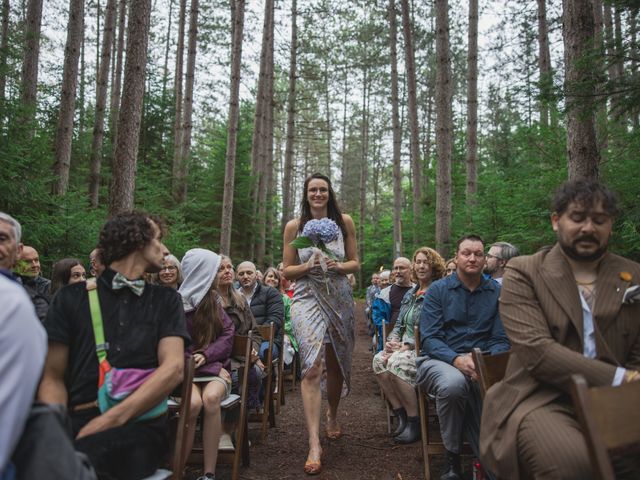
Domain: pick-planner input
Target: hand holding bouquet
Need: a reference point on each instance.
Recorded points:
(317, 234)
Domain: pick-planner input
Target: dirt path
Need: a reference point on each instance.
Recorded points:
(365, 451)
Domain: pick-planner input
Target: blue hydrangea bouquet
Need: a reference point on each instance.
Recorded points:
(317, 233)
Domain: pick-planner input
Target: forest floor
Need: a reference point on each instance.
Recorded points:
(364, 452)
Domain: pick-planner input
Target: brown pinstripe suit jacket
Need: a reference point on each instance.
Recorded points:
(542, 315)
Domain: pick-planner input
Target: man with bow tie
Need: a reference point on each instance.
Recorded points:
(143, 330)
(565, 312)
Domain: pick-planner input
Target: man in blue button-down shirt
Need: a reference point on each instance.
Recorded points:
(459, 313)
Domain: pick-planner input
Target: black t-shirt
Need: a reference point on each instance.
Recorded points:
(133, 327)
(396, 294)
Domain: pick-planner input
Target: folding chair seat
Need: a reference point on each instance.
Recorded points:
(610, 421)
(278, 394)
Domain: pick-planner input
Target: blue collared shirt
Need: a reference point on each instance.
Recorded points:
(455, 320)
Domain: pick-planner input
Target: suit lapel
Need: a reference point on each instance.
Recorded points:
(558, 277)
(609, 292)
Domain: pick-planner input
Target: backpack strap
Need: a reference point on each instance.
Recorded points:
(96, 320)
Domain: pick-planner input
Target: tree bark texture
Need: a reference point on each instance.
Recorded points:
(265, 149)
(444, 128)
(544, 64)
(4, 50)
(232, 135)
(101, 102)
(29, 75)
(116, 84)
(124, 165)
(64, 131)
(177, 121)
(580, 82)
(412, 97)
(472, 105)
(397, 134)
(287, 202)
(187, 111)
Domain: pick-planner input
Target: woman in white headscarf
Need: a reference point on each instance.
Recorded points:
(212, 333)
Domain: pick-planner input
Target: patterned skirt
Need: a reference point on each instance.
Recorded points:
(401, 363)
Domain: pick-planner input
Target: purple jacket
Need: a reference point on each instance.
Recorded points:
(217, 352)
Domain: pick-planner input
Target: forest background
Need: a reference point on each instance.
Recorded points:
(212, 113)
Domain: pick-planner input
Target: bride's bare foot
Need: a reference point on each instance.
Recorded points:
(333, 430)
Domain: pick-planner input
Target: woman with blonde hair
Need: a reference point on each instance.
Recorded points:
(395, 365)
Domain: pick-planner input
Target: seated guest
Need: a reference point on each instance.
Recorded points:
(386, 306)
(96, 267)
(564, 311)
(212, 333)
(371, 293)
(66, 272)
(144, 332)
(238, 310)
(287, 286)
(23, 346)
(273, 279)
(395, 366)
(459, 313)
(30, 275)
(450, 267)
(266, 305)
(384, 281)
(497, 257)
(171, 273)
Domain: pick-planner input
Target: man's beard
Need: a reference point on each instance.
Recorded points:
(571, 251)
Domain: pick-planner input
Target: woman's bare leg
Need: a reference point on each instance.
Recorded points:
(334, 387)
(312, 401)
(407, 395)
(389, 388)
(212, 395)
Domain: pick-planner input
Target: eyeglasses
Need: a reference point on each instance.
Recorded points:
(170, 268)
(488, 255)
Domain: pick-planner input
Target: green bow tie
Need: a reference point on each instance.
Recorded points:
(120, 281)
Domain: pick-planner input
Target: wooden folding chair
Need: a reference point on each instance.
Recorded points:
(242, 345)
(490, 368)
(426, 407)
(610, 420)
(290, 373)
(179, 416)
(267, 415)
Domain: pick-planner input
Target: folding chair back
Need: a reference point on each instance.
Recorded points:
(610, 419)
(490, 368)
(267, 332)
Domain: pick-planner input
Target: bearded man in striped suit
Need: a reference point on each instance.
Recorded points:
(563, 311)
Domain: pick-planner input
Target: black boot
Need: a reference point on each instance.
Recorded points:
(453, 470)
(411, 433)
(401, 417)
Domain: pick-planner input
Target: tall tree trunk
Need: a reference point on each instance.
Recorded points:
(327, 108)
(178, 126)
(609, 40)
(126, 152)
(25, 127)
(343, 170)
(444, 128)
(165, 72)
(578, 34)
(64, 132)
(633, 53)
(397, 134)
(187, 123)
(116, 84)
(266, 134)
(602, 121)
(413, 117)
(287, 203)
(101, 102)
(472, 105)
(4, 50)
(232, 135)
(544, 64)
